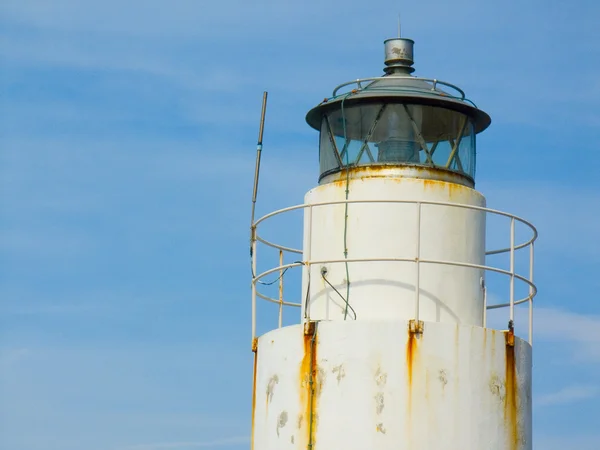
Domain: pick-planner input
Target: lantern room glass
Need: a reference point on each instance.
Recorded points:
(397, 134)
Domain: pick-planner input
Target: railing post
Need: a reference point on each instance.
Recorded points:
(307, 267)
(484, 288)
(280, 288)
(417, 261)
(512, 270)
(531, 294)
(253, 246)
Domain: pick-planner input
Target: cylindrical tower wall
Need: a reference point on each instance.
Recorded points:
(386, 290)
(374, 385)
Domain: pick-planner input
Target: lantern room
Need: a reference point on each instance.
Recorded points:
(398, 120)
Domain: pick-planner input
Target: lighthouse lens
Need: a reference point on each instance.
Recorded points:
(397, 134)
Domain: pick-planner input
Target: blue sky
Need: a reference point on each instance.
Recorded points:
(127, 145)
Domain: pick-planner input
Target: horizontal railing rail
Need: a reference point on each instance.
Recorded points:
(281, 268)
(369, 86)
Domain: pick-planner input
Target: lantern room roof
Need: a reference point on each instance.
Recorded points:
(399, 86)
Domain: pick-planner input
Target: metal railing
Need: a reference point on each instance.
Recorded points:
(369, 86)
(282, 268)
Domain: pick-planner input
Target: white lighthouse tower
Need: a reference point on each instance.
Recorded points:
(392, 348)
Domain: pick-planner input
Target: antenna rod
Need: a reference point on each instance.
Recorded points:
(258, 153)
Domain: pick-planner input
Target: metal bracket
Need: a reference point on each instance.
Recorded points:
(455, 145)
(416, 326)
(334, 144)
(309, 328)
(509, 337)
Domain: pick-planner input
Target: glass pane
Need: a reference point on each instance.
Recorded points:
(397, 133)
(327, 159)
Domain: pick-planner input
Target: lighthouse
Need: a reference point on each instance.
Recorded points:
(391, 346)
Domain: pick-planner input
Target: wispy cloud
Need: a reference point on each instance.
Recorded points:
(567, 221)
(190, 445)
(569, 394)
(582, 331)
(547, 441)
(11, 356)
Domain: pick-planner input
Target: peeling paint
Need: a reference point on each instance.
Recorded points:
(271, 388)
(443, 377)
(339, 370)
(320, 380)
(380, 428)
(380, 377)
(281, 421)
(497, 387)
(379, 402)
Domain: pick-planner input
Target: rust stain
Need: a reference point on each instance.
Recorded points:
(253, 395)
(411, 359)
(455, 191)
(511, 398)
(411, 350)
(310, 383)
(485, 341)
(387, 171)
(341, 183)
(411, 355)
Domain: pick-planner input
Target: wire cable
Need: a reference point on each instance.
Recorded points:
(341, 296)
(269, 283)
(347, 299)
(306, 300)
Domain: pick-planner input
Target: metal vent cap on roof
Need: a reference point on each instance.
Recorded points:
(399, 55)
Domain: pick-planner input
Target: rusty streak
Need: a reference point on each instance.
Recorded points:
(253, 397)
(309, 383)
(411, 349)
(411, 354)
(510, 401)
(447, 178)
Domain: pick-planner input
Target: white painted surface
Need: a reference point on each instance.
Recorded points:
(454, 392)
(386, 290)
